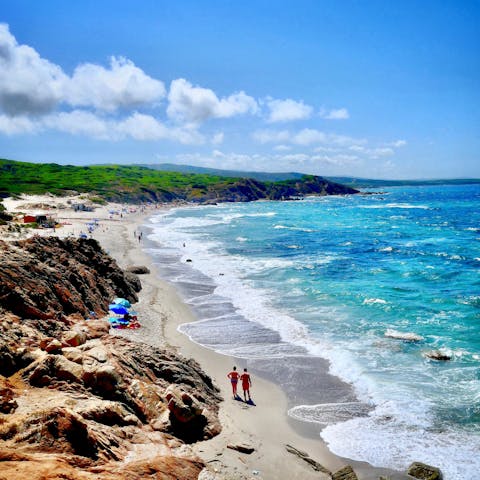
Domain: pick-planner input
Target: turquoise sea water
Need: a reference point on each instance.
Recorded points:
(345, 278)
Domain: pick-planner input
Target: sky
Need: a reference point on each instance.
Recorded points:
(373, 89)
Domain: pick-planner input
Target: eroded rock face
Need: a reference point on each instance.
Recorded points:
(47, 278)
(76, 402)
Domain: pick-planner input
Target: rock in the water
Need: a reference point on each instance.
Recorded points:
(437, 355)
(423, 471)
(345, 473)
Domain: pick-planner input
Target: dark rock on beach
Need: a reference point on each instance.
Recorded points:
(138, 269)
(424, 472)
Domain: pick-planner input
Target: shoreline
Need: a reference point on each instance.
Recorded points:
(266, 427)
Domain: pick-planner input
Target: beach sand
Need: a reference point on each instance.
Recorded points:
(266, 427)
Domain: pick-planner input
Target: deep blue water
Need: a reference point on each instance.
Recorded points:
(338, 277)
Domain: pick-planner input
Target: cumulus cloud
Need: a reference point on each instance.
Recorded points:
(335, 114)
(16, 125)
(305, 137)
(196, 104)
(287, 110)
(29, 84)
(137, 126)
(79, 122)
(271, 136)
(123, 85)
(397, 144)
(282, 148)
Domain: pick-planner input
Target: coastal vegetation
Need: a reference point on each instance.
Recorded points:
(138, 183)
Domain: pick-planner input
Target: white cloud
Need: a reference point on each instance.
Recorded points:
(287, 110)
(335, 114)
(218, 154)
(397, 143)
(79, 122)
(137, 126)
(123, 85)
(16, 125)
(309, 136)
(218, 138)
(29, 84)
(380, 152)
(196, 104)
(271, 136)
(282, 148)
(306, 137)
(32, 85)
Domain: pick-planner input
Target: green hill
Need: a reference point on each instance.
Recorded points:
(138, 183)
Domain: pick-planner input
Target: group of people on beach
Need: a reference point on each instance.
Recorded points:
(234, 377)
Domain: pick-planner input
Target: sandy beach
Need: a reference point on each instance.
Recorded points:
(266, 426)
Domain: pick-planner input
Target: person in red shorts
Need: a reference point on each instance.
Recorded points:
(246, 384)
(234, 376)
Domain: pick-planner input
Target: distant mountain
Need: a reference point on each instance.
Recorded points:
(261, 176)
(377, 183)
(354, 182)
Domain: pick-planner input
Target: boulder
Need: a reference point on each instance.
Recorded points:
(241, 447)
(54, 368)
(424, 471)
(73, 354)
(55, 346)
(138, 269)
(437, 355)
(345, 473)
(97, 328)
(181, 405)
(74, 338)
(7, 402)
(103, 379)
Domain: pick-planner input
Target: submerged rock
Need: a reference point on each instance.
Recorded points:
(437, 355)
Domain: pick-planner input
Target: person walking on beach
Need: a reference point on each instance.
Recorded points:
(246, 384)
(234, 376)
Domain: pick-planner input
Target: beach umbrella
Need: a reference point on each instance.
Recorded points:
(118, 309)
(122, 301)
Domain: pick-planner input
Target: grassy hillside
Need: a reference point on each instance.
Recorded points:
(110, 182)
(136, 183)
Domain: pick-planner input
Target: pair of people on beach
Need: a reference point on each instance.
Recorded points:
(234, 377)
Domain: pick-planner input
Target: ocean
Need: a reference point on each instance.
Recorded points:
(362, 286)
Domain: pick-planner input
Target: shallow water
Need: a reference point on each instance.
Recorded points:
(330, 277)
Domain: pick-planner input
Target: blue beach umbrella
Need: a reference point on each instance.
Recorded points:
(118, 309)
(122, 301)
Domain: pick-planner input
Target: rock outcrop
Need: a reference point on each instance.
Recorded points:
(76, 402)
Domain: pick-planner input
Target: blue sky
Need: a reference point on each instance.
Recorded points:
(381, 89)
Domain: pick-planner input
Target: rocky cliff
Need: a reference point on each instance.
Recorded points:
(76, 402)
(249, 189)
